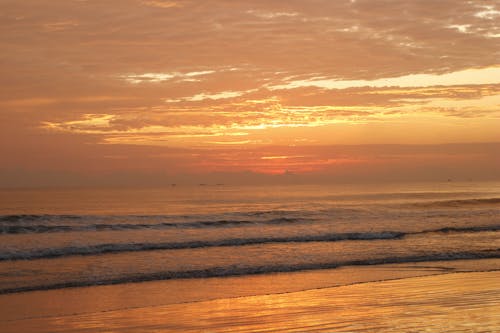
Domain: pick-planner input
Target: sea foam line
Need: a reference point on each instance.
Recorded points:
(237, 270)
(42, 228)
(136, 247)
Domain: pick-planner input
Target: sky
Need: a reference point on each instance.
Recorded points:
(152, 92)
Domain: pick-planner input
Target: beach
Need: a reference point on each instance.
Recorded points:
(228, 259)
(250, 166)
(455, 302)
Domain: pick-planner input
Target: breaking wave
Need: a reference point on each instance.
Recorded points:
(238, 270)
(136, 247)
(465, 203)
(44, 228)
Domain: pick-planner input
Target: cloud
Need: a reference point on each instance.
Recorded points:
(230, 74)
(489, 75)
(272, 15)
(161, 77)
(59, 25)
(488, 12)
(162, 4)
(214, 96)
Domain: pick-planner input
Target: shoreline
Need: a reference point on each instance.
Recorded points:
(446, 301)
(216, 272)
(82, 300)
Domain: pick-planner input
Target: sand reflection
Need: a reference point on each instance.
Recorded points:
(452, 302)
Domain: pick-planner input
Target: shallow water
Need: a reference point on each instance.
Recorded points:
(460, 302)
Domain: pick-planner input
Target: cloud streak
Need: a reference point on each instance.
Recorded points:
(489, 75)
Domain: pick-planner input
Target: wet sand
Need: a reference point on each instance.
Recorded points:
(455, 302)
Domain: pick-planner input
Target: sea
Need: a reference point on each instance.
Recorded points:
(66, 238)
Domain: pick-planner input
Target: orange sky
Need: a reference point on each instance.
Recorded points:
(150, 91)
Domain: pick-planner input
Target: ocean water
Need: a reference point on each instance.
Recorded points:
(51, 239)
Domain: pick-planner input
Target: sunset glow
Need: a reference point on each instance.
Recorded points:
(172, 88)
(249, 166)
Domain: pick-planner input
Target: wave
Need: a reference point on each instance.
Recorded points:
(35, 217)
(136, 247)
(464, 229)
(458, 203)
(44, 228)
(269, 214)
(238, 270)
